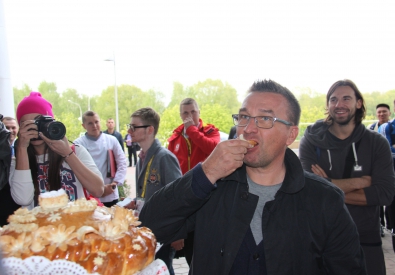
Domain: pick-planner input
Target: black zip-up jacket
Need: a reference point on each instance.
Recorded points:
(306, 229)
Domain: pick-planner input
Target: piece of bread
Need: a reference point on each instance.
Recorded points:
(53, 199)
(103, 240)
(252, 142)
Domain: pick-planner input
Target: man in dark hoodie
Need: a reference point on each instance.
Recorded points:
(356, 160)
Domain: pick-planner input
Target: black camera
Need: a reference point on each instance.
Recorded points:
(50, 128)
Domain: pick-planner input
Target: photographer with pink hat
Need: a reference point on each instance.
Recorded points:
(44, 160)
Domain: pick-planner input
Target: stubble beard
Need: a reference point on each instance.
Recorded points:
(259, 162)
(343, 122)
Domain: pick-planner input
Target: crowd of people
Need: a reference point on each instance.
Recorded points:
(247, 205)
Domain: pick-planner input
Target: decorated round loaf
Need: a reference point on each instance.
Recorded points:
(102, 240)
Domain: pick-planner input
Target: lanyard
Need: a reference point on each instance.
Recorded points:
(189, 152)
(146, 176)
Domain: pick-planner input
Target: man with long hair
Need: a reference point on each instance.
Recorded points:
(357, 160)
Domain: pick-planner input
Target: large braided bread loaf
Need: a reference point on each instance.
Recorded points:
(103, 240)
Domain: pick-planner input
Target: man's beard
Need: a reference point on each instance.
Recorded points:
(345, 122)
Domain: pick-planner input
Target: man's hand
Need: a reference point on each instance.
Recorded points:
(188, 122)
(316, 169)
(347, 185)
(178, 245)
(109, 189)
(131, 205)
(226, 157)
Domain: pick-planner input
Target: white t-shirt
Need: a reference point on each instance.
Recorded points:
(21, 183)
(98, 148)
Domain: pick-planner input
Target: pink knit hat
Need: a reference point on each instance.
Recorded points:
(34, 103)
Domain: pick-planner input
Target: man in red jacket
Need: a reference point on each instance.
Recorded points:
(192, 142)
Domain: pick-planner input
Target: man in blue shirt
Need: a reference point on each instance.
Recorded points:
(388, 131)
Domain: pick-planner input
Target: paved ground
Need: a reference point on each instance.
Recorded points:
(388, 253)
(181, 267)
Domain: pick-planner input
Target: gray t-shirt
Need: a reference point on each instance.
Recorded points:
(265, 194)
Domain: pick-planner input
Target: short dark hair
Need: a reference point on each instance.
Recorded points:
(148, 116)
(187, 101)
(88, 113)
(8, 118)
(270, 86)
(383, 105)
(359, 113)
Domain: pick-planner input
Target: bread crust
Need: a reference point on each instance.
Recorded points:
(73, 232)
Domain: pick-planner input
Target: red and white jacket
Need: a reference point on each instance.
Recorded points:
(195, 148)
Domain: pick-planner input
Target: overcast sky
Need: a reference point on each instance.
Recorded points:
(296, 43)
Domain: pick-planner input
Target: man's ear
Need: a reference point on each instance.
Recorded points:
(359, 103)
(151, 130)
(293, 134)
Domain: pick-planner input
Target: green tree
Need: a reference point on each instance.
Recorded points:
(215, 92)
(178, 94)
(218, 115)
(19, 94)
(48, 91)
(309, 115)
(130, 99)
(217, 101)
(206, 93)
(169, 120)
(73, 125)
(65, 106)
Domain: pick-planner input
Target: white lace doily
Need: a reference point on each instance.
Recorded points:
(38, 265)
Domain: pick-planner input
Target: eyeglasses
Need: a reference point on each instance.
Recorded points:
(265, 122)
(133, 128)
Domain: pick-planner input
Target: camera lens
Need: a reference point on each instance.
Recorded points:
(55, 130)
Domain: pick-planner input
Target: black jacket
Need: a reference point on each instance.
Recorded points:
(7, 204)
(306, 229)
(319, 146)
(5, 155)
